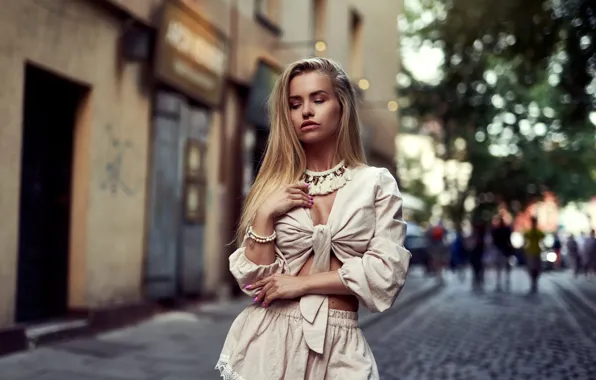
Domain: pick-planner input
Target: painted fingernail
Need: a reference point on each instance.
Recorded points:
(308, 185)
(264, 304)
(255, 300)
(249, 286)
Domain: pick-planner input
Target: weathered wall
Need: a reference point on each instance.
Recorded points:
(108, 211)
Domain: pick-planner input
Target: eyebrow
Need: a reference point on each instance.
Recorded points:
(315, 93)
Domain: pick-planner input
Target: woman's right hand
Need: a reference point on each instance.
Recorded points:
(286, 199)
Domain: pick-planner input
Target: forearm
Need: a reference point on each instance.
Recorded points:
(325, 283)
(258, 253)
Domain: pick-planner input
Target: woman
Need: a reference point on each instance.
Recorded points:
(321, 232)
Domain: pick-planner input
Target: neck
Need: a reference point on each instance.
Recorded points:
(320, 157)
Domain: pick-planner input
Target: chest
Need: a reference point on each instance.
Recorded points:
(322, 206)
(347, 214)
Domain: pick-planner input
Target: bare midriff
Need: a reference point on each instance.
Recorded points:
(337, 302)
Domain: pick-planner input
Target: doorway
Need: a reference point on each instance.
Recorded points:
(50, 108)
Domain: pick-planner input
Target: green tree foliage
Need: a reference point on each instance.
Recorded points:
(518, 87)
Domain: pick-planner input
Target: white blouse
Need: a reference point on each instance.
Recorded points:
(366, 232)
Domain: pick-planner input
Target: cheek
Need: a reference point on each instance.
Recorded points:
(296, 118)
(334, 118)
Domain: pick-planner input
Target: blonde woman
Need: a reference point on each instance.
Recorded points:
(321, 233)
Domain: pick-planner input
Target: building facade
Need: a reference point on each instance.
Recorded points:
(73, 161)
(133, 128)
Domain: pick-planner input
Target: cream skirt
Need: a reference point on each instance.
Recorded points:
(268, 344)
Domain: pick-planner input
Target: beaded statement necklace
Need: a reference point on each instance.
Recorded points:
(326, 182)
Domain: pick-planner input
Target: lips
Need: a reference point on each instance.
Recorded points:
(308, 124)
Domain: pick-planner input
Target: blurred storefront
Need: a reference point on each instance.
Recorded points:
(190, 66)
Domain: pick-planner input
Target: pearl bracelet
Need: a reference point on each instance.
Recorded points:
(260, 239)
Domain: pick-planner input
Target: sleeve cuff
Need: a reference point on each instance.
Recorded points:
(246, 272)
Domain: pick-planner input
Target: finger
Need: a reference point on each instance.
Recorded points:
(300, 186)
(300, 203)
(263, 293)
(272, 296)
(298, 197)
(295, 190)
(260, 283)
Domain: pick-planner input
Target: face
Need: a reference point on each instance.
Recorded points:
(314, 109)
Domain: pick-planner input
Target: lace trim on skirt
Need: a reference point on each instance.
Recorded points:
(225, 370)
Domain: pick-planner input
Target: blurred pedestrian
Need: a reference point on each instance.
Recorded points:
(477, 255)
(459, 254)
(438, 249)
(501, 235)
(533, 239)
(557, 245)
(590, 255)
(321, 232)
(574, 255)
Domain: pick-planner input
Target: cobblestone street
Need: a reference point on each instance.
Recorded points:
(172, 346)
(453, 334)
(490, 335)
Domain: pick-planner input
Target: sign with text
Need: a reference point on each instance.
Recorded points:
(191, 55)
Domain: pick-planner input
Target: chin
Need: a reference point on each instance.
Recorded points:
(313, 138)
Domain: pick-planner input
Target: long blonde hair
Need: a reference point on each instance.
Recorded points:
(284, 161)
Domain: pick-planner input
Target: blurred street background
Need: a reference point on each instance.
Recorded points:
(133, 129)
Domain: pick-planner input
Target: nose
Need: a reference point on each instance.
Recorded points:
(307, 110)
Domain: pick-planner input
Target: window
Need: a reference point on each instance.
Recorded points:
(356, 59)
(267, 13)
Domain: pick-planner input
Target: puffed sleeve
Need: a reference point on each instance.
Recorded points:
(377, 277)
(246, 272)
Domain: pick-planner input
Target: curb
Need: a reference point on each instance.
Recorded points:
(402, 303)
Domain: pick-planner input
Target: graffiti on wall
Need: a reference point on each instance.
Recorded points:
(118, 156)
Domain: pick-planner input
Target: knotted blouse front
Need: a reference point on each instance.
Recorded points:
(366, 232)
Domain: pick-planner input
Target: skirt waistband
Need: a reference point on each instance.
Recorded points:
(341, 318)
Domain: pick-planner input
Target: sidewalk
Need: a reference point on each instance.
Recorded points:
(172, 346)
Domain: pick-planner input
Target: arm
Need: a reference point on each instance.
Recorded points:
(254, 261)
(378, 276)
(247, 272)
(283, 286)
(325, 283)
(261, 254)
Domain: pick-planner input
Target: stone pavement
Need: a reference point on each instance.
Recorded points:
(580, 295)
(462, 334)
(172, 346)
